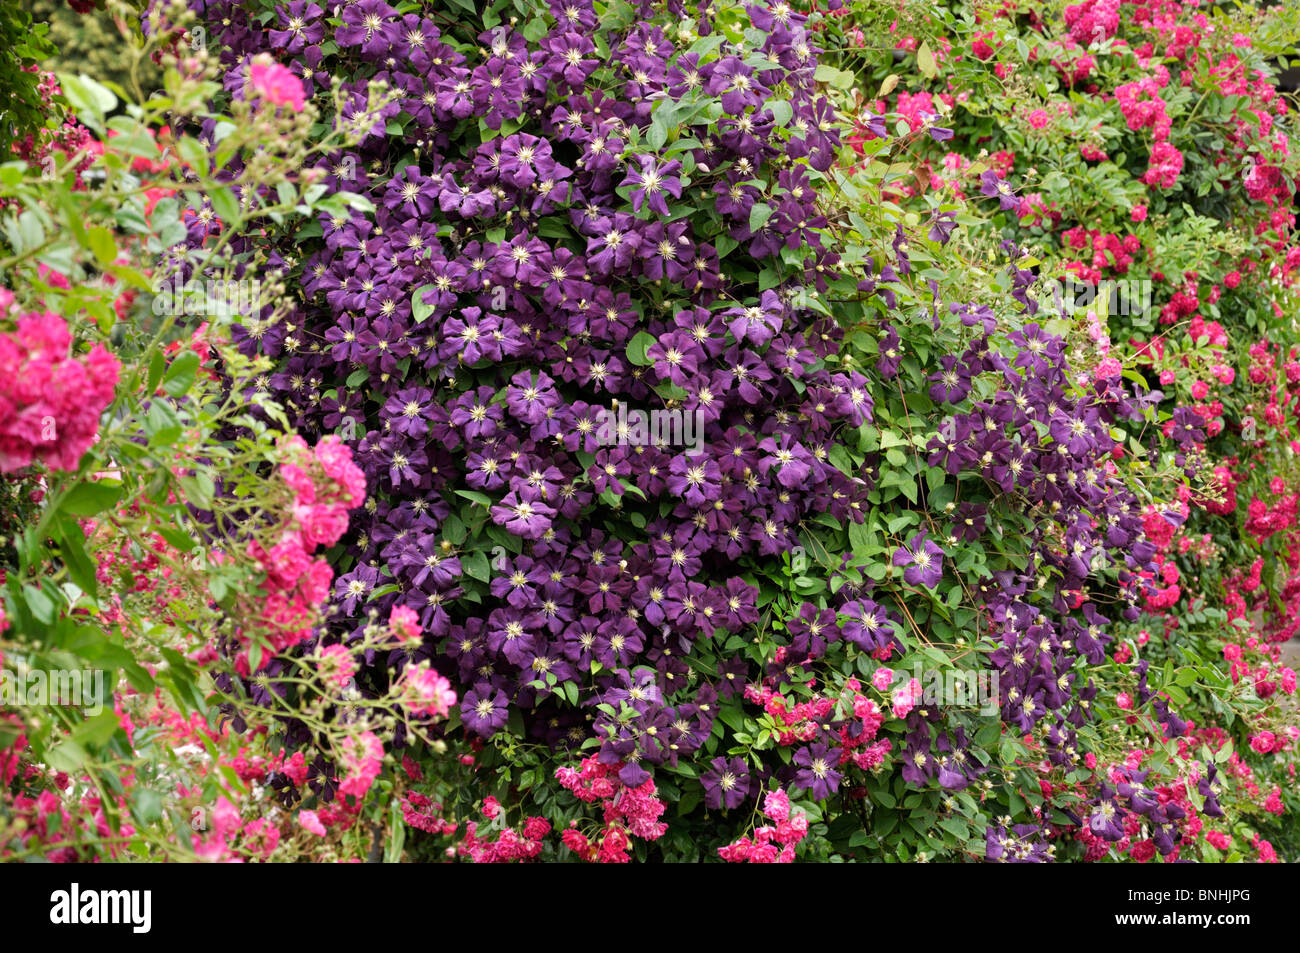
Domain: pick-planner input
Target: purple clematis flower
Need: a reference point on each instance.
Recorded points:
(867, 625)
(923, 560)
(484, 710)
(817, 763)
(302, 27)
(652, 181)
(994, 186)
(758, 323)
(726, 783)
(791, 460)
(524, 513)
(371, 25)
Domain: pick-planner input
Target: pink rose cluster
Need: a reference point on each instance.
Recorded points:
(629, 811)
(276, 84)
(326, 484)
(906, 698)
(771, 844)
(362, 760)
(1092, 21)
(50, 401)
(424, 692)
(258, 838)
(1143, 107)
(510, 845)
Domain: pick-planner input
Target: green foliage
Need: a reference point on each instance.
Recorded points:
(23, 43)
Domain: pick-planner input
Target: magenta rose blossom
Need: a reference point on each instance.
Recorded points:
(277, 85)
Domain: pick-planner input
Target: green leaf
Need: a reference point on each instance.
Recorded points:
(534, 29)
(72, 547)
(139, 677)
(90, 99)
(477, 566)
(146, 806)
(98, 730)
(91, 497)
(161, 424)
(925, 62)
(955, 827)
(988, 736)
(101, 244)
(39, 604)
(181, 374)
(66, 756)
(225, 205)
(637, 347)
(707, 44)
(178, 538)
(199, 489)
(758, 215)
(420, 310)
(131, 276)
(571, 692)
(841, 79)
(863, 540)
(658, 133)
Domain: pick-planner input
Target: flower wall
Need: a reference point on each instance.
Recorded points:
(656, 446)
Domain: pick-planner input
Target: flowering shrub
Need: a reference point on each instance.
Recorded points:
(589, 221)
(496, 304)
(86, 38)
(1147, 148)
(732, 488)
(169, 524)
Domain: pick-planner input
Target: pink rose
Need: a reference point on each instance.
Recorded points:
(404, 622)
(905, 698)
(322, 524)
(286, 563)
(316, 583)
(1263, 742)
(277, 85)
(299, 482)
(337, 664)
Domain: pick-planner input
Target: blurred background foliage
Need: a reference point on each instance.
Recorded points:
(91, 42)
